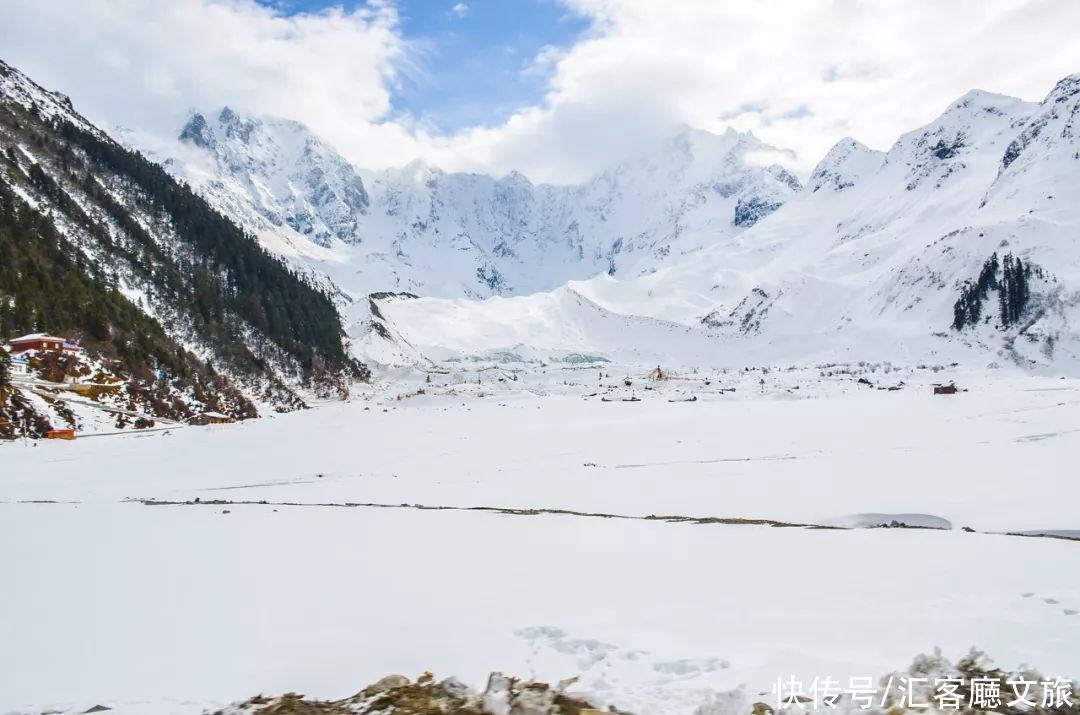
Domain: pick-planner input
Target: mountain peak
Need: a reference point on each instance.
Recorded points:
(981, 97)
(289, 176)
(420, 170)
(228, 116)
(977, 105)
(1052, 127)
(517, 178)
(233, 125)
(701, 142)
(844, 165)
(1066, 88)
(17, 87)
(198, 132)
(969, 130)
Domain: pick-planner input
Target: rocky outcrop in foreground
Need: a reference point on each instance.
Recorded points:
(932, 685)
(401, 696)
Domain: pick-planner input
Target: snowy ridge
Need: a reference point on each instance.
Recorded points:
(845, 165)
(288, 177)
(17, 87)
(421, 230)
(870, 260)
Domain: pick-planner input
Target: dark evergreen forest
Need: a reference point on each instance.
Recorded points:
(1010, 277)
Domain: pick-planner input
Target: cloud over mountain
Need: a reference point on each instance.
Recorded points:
(800, 75)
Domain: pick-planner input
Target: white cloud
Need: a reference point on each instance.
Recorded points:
(460, 9)
(146, 63)
(768, 157)
(800, 74)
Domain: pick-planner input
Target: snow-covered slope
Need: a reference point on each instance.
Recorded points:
(421, 230)
(17, 88)
(105, 248)
(871, 260)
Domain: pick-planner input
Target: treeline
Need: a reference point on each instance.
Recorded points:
(1014, 290)
(1010, 277)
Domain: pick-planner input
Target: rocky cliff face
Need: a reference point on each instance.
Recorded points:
(288, 177)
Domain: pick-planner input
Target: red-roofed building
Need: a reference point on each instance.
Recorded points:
(42, 341)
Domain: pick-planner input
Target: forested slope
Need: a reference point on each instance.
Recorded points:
(102, 246)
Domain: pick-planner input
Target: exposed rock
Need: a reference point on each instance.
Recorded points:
(397, 694)
(386, 683)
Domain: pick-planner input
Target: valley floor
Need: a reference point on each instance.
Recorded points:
(174, 571)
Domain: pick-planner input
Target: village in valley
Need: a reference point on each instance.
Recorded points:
(72, 392)
(61, 391)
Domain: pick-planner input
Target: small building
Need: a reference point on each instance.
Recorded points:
(60, 434)
(20, 365)
(949, 389)
(38, 341)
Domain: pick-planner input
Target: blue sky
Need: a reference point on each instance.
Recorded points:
(473, 56)
(415, 79)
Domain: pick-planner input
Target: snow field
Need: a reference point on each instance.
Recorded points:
(181, 607)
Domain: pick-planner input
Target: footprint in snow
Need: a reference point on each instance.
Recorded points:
(691, 667)
(1070, 611)
(534, 633)
(1029, 594)
(1051, 601)
(589, 652)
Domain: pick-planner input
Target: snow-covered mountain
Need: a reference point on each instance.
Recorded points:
(961, 239)
(275, 172)
(105, 248)
(424, 231)
(961, 242)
